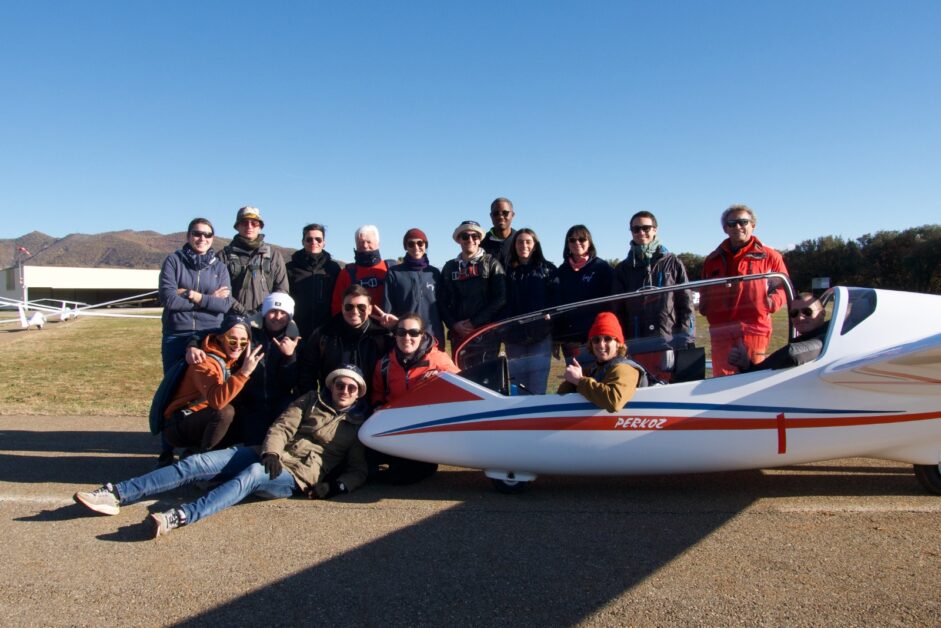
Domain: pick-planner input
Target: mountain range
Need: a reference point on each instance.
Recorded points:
(113, 249)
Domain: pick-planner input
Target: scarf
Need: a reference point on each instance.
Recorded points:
(577, 265)
(195, 260)
(367, 258)
(643, 253)
(317, 261)
(416, 264)
(250, 245)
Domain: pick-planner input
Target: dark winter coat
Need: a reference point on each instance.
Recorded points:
(311, 283)
(415, 291)
(666, 315)
(180, 315)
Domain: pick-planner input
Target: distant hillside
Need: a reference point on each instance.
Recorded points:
(114, 249)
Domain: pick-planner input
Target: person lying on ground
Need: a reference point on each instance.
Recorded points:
(312, 439)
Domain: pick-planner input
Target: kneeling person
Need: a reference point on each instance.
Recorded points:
(415, 358)
(312, 438)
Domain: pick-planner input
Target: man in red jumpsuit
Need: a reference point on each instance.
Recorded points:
(741, 313)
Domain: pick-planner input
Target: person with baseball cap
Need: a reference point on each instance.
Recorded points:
(255, 268)
(312, 439)
(613, 379)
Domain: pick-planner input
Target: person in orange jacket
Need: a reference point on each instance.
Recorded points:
(741, 313)
(414, 359)
(200, 413)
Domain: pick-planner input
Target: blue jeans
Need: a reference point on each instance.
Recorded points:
(529, 364)
(240, 467)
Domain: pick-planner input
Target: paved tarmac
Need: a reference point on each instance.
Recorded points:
(848, 542)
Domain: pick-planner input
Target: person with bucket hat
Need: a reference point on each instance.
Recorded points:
(255, 268)
(471, 294)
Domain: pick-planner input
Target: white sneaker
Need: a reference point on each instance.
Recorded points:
(165, 522)
(103, 500)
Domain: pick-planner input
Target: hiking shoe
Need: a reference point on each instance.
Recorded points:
(166, 459)
(103, 500)
(165, 522)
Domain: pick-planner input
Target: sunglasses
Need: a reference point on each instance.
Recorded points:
(201, 234)
(250, 223)
(806, 311)
(349, 307)
(579, 240)
(470, 235)
(401, 332)
(597, 340)
(639, 228)
(415, 243)
(500, 212)
(737, 222)
(236, 342)
(312, 240)
(350, 388)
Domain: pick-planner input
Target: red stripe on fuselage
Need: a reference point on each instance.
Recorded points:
(632, 423)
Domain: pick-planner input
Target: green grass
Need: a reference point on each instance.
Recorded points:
(96, 366)
(111, 366)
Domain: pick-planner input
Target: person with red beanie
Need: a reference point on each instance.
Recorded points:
(613, 378)
(411, 286)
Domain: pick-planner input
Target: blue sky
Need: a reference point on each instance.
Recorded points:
(822, 116)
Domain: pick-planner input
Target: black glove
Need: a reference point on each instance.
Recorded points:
(326, 490)
(273, 465)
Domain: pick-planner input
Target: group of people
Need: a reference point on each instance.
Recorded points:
(285, 360)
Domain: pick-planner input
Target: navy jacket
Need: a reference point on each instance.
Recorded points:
(180, 315)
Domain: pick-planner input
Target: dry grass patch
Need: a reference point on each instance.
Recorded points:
(97, 366)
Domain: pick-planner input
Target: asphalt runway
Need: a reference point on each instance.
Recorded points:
(847, 542)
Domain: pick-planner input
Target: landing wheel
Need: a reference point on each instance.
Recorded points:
(929, 475)
(509, 487)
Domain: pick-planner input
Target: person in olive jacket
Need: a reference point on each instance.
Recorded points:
(312, 441)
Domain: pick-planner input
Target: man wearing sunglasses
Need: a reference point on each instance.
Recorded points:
(255, 268)
(312, 275)
(497, 241)
(665, 321)
(312, 449)
(742, 312)
(472, 293)
(808, 317)
(350, 337)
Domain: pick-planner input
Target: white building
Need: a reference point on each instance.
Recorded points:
(85, 285)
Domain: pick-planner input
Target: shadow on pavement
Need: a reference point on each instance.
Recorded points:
(80, 442)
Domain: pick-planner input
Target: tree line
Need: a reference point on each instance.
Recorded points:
(898, 260)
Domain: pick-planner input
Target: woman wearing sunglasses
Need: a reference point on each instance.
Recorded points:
(200, 413)
(612, 380)
(411, 286)
(193, 289)
(583, 275)
(414, 359)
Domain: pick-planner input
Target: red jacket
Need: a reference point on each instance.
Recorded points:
(745, 303)
(399, 379)
(206, 381)
(373, 278)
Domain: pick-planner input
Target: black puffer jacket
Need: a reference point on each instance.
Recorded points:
(335, 344)
(312, 280)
